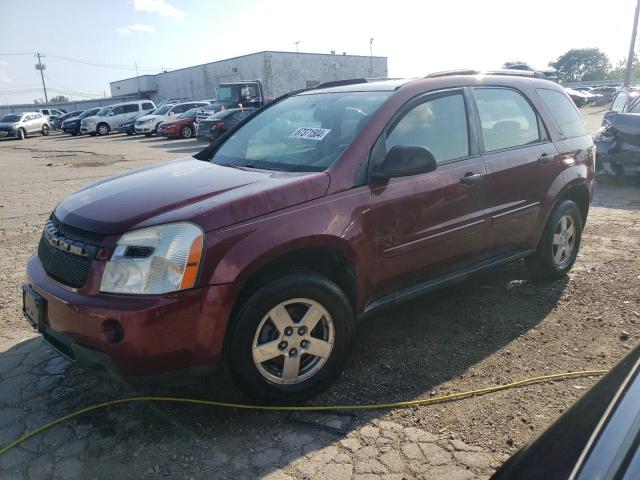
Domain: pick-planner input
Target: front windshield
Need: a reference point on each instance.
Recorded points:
(161, 110)
(10, 118)
(190, 113)
(88, 113)
(300, 133)
(104, 111)
(228, 94)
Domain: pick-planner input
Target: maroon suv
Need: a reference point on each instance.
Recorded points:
(321, 208)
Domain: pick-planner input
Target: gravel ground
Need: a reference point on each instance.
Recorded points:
(475, 334)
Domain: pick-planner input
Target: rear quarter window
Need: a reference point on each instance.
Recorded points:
(564, 112)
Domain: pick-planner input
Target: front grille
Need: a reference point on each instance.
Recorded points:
(65, 266)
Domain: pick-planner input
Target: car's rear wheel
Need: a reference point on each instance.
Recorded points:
(560, 242)
(186, 132)
(103, 129)
(291, 338)
(22, 134)
(45, 130)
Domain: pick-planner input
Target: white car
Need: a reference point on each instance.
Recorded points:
(148, 124)
(111, 117)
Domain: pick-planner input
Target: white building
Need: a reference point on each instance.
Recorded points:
(280, 72)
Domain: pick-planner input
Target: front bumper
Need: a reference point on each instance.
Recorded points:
(164, 336)
(144, 129)
(617, 158)
(87, 128)
(71, 129)
(8, 133)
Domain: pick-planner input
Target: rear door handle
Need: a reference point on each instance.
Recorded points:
(470, 178)
(545, 158)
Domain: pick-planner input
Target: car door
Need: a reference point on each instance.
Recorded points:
(515, 146)
(431, 223)
(129, 112)
(31, 124)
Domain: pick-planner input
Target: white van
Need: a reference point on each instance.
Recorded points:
(148, 124)
(110, 118)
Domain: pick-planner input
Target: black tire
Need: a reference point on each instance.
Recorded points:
(45, 130)
(155, 130)
(186, 132)
(103, 129)
(310, 286)
(542, 264)
(148, 134)
(22, 134)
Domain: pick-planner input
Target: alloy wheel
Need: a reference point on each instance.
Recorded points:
(564, 241)
(293, 341)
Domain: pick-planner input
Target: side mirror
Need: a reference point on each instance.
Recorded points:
(111, 113)
(404, 161)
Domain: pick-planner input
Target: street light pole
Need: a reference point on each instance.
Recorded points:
(297, 43)
(627, 75)
(371, 55)
(41, 67)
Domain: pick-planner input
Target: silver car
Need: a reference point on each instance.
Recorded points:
(19, 125)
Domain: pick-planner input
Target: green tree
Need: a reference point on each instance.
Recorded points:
(59, 99)
(617, 73)
(582, 64)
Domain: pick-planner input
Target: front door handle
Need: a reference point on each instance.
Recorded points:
(470, 178)
(545, 158)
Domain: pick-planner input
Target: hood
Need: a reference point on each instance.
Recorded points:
(176, 123)
(147, 117)
(193, 190)
(71, 119)
(92, 118)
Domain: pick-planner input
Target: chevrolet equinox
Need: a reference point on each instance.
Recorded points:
(262, 251)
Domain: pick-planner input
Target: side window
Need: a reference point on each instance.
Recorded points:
(117, 111)
(635, 108)
(180, 109)
(147, 106)
(619, 102)
(439, 125)
(131, 108)
(564, 111)
(507, 119)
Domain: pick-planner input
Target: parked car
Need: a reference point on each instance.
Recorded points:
(181, 127)
(129, 126)
(109, 118)
(20, 125)
(618, 143)
(57, 123)
(596, 438)
(51, 113)
(72, 125)
(578, 97)
(215, 125)
(325, 206)
(148, 124)
(623, 101)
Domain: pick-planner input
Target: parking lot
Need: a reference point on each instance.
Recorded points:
(488, 330)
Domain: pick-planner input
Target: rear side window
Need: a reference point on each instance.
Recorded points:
(619, 102)
(439, 125)
(117, 111)
(507, 119)
(564, 112)
(147, 106)
(131, 108)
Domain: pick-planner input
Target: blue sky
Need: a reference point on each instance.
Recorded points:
(417, 36)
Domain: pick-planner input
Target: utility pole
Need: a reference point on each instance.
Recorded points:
(41, 67)
(138, 79)
(371, 55)
(297, 43)
(627, 75)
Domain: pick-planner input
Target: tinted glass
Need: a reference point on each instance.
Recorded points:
(118, 111)
(147, 106)
(10, 118)
(439, 125)
(635, 108)
(564, 112)
(189, 113)
(161, 111)
(507, 119)
(88, 113)
(180, 108)
(300, 133)
(619, 102)
(104, 111)
(130, 108)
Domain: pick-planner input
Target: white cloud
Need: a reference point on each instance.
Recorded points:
(136, 27)
(158, 6)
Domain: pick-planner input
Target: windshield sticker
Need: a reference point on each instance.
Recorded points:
(310, 133)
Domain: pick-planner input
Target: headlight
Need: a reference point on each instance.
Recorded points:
(155, 260)
(148, 120)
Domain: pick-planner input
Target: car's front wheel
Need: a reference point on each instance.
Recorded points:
(103, 129)
(291, 338)
(560, 242)
(186, 132)
(22, 134)
(45, 130)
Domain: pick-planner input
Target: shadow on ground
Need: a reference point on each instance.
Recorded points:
(402, 354)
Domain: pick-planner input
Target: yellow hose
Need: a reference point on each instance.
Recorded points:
(378, 406)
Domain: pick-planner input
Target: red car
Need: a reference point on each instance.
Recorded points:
(181, 127)
(323, 207)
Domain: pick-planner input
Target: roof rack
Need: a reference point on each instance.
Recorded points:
(503, 71)
(351, 81)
